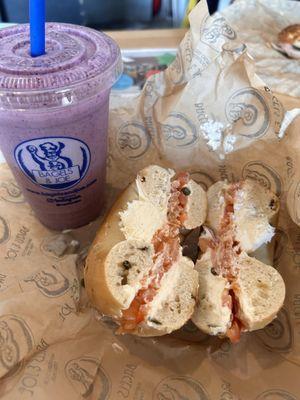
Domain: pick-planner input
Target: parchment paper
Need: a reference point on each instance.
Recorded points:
(258, 23)
(208, 113)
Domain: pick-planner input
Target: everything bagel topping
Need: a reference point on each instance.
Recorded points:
(166, 242)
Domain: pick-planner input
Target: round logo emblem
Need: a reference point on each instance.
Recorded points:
(276, 394)
(54, 162)
(4, 230)
(51, 282)
(16, 340)
(10, 191)
(216, 28)
(264, 174)
(248, 110)
(8, 381)
(133, 140)
(88, 378)
(179, 131)
(278, 335)
(180, 387)
(293, 202)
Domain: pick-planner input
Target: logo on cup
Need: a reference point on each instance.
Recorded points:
(180, 387)
(180, 131)
(10, 191)
(88, 377)
(264, 174)
(50, 283)
(276, 394)
(277, 336)
(133, 140)
(14, 336)
(248, 111)
(54, 162)
(4, 230)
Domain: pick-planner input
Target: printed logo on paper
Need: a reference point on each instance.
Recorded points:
(9, 379)
(199, 63)
(248, 111)
(88, 378)
(54, 162)
(179, 131)
(276, 394)
(10, 191)
(180, 387)
(294, 195)
(277, 335)
(4, 231)
(264, 174)
(51, 283)
(133, 140)
(216, 32)
(14, 336)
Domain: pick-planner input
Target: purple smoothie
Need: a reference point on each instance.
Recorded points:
(53, 119)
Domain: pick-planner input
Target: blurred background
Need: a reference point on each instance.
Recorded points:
(110, 14)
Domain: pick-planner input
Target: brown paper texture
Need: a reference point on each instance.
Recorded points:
(211, 114)
(259, 23)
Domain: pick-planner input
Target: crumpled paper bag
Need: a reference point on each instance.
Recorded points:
(208, 113)
(258, 23)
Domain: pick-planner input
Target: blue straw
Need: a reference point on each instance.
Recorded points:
(37, 27)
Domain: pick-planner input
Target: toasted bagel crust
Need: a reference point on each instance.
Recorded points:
(95, 272)
(290, 34)
(126, 237)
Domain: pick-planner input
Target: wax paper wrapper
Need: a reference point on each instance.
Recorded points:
(208, 113)
(259, 23)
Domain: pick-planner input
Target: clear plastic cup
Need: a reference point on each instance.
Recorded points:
(54, 117)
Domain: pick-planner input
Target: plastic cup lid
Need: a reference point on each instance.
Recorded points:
(78, 60)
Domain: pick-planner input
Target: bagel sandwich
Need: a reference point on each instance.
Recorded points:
(237, 292)
(135, 270)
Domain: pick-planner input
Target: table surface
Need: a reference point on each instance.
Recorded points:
(157, 38)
